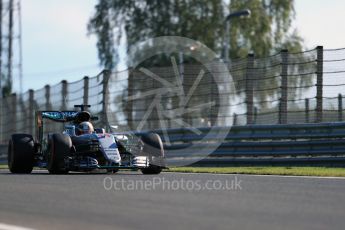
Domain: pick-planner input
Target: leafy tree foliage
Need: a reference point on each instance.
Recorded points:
(264, 32)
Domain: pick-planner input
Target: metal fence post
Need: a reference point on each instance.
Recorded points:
(235, 119)
(64, 95)
(319, 84)
(13, 113)
(31, 112)
(255, 115)
(129, 103)
(105, 100)
(212, 116)
(284, 84)
(340, 107)
(249, 88)
(307, 110)
(47, 95)
(86, 91)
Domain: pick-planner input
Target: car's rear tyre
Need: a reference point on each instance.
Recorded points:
(59, 148)
(21, 150)
(153, 149)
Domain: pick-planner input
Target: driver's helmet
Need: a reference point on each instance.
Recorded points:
(85, 128)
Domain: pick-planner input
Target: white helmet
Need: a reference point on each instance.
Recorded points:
(85, 128)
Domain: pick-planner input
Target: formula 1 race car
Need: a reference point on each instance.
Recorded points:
(82, 148)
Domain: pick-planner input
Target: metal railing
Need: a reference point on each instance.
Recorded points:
(251, 144)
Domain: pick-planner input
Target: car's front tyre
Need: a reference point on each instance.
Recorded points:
(59, 148)
(153, 149)
(152, 169)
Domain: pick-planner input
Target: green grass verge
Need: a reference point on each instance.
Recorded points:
(3, 166)
(266, 170)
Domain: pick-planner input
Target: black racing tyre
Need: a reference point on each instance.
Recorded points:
(21, 150)
(153, 140)
(59, 148)
(152, 169)
(153, 148)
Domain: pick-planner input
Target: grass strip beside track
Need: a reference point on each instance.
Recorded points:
(266, 170)
(3, 166)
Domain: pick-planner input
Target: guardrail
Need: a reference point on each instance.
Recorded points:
(295, 144)
(316, 144)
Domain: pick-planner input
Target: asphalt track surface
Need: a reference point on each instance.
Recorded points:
(89, 201)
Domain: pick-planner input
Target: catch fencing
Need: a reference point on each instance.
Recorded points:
(285, 88)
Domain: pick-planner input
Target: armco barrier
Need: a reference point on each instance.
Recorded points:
(314, 144)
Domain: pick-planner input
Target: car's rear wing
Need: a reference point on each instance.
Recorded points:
(57, 116)
(60, 116)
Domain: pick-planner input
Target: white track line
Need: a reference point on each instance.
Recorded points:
(13, 227)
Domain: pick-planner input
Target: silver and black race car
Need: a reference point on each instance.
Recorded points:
(82, 148)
